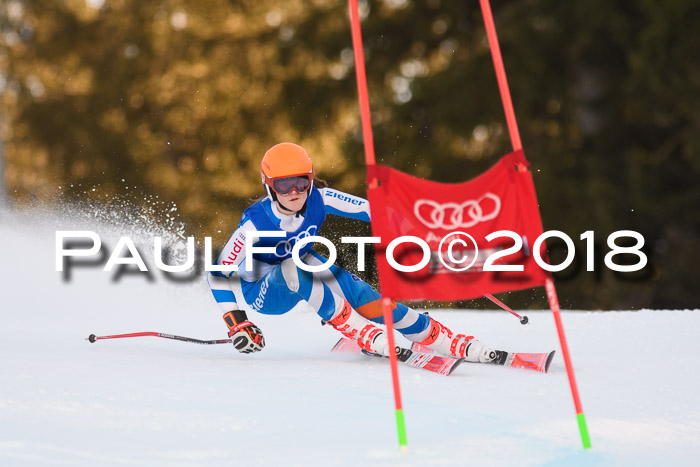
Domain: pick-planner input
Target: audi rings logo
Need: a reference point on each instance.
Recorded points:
(285, 247)
(449, 216)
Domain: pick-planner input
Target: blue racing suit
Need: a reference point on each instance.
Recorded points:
(264, 288)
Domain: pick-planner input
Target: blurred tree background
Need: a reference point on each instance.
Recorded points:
(179, 99)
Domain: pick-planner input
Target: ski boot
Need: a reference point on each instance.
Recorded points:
(445, 342)
(352, 325)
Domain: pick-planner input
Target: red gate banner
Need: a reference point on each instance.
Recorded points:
(501, 199)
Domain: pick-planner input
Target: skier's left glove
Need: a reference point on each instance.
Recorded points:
(247, 337)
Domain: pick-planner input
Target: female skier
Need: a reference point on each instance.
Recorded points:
(296, 205)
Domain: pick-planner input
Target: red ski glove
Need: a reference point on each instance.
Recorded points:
(247, 337)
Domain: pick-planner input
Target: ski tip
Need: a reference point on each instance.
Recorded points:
(456, 364)
(549, 361)
(338, 345)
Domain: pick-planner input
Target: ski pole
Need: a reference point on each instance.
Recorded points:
(523, 319)
(92, 338)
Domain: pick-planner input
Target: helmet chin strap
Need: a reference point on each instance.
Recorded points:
(282, 207)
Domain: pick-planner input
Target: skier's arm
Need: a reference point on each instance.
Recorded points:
(246, 336)
(231, 255)
(346, 205)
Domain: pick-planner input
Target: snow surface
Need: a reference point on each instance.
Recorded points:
(157, 402)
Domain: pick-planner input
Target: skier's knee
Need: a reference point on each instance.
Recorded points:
(290, 273)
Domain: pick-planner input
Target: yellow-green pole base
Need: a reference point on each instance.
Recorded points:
(401, 429)
(583, 428)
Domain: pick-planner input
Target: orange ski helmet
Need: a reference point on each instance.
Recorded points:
(286, 167)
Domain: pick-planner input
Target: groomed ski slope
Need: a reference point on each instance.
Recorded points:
(156, 402)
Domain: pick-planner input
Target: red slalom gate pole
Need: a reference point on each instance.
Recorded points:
(361, 77)
(517, 145)
(501, 75)
(363, 98)
(580, 417)
(400, 420)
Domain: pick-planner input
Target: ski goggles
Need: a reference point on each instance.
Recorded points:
(286, 185)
